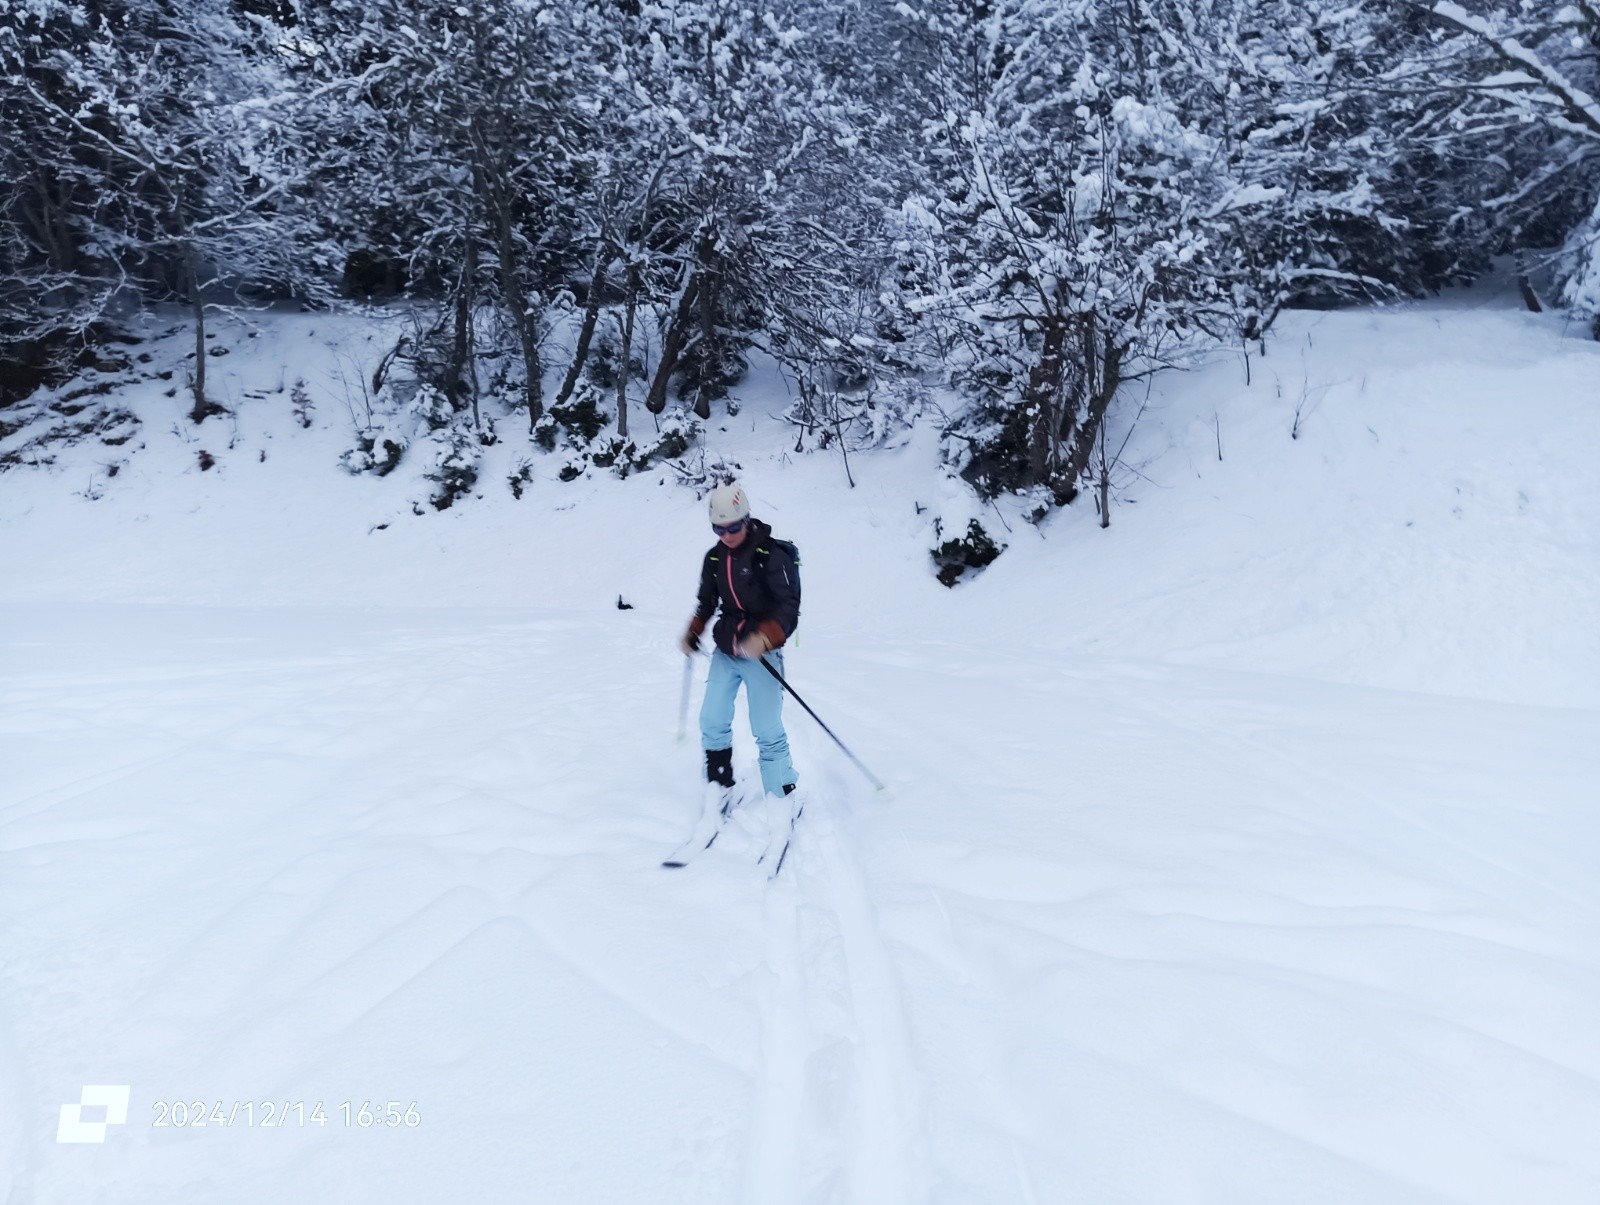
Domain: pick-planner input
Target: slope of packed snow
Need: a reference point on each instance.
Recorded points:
(1241, 852)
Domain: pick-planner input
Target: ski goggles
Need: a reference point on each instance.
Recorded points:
(732, 529)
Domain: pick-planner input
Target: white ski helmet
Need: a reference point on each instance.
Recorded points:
(729, 505)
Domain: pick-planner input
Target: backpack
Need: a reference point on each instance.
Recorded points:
(763, 551)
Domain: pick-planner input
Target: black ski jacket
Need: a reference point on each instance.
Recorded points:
(757, 585)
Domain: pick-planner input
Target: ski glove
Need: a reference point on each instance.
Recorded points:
(690, 641)
(753, 646)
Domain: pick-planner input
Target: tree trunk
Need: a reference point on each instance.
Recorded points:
(201, 409)
(1529, 297)
(47, 218)
(494, 194)
(532, 362)
(1042, 397)
(1099, 401)
(1105, 482)
(517, 303)
(591, 316)
(462, 347)
(625, 369)
(709, 281)
(673, 342)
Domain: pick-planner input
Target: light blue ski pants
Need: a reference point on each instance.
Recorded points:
(764, 697)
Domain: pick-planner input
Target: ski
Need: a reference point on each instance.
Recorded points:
(713, 817)
(787, 834)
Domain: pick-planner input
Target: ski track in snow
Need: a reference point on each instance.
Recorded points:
(1375, 928)
(837, 1115)
(17, 1095)
(778, 1107)
(1293, 774)
(394, 874)
(303, 937)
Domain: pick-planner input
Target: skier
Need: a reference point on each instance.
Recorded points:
(756, 581)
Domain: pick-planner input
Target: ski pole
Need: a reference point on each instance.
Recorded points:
(683, 704)
(783, 682)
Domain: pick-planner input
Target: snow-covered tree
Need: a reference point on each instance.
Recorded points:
(55, 278)
(746, 131)
(1105, 181)
(1062, 224)
(1311, 158)
(1518, 113)
(152, 161)
(453, 141)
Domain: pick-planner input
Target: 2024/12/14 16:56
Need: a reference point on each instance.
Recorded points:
(272, 1115)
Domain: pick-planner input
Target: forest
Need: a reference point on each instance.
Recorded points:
(594, 212)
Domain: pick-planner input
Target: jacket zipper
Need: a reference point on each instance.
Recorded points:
(736, 602)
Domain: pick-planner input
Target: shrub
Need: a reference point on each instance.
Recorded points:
(375, 452)
(582, 416)
(968, 553)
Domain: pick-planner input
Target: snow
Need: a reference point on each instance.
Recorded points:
(1245, 196)
(1241, 852)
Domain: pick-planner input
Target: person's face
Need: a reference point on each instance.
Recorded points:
(732, 534)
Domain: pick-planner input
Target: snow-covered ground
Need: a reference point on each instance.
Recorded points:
(1244, 852)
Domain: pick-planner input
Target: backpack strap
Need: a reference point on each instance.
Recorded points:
(765, 549)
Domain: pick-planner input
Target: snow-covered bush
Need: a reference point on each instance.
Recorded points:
(582, 417)
(962, 544)
(967, 552)
(453, 466)
(432, 409)
(300, 403)
(545, 433)
(623, 456)
(575, 466)
(520, 478)
(377, 451)
(679, 432)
